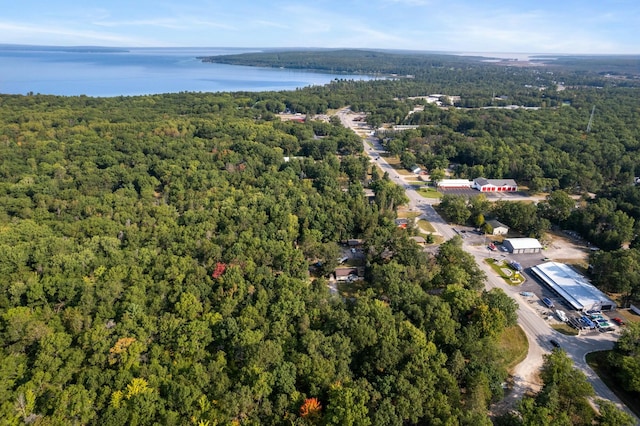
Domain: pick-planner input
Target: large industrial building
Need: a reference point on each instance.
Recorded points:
(573, 287)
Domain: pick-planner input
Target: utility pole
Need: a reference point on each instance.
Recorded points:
(593, 110)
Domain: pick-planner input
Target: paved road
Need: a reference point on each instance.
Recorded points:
(537, 330)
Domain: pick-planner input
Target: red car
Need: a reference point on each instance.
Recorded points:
(618, 321)
(492, 247)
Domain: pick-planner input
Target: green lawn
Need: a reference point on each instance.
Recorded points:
(565, 329)
(426, 226)
(513, 346)
(406, 214)
(512, 278)
(429, 192)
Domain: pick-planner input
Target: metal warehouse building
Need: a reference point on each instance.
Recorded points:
(573, 287)
(522, 245)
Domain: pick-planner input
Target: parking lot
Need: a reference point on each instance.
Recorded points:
(470, 192)
(559, 248)
(534, 291)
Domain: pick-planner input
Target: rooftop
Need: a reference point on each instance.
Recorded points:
(495, 182)
(524, 243)
(572, 286)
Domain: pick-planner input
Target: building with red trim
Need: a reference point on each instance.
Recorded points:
(495, 185)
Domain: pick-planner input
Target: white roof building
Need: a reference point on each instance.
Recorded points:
(522, 245)
(573, 287)
(495, 185)
(454, 183)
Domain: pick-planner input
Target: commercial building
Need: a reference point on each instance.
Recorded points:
(495, 185)
(573, 287)
(454, 183)
(522, 245)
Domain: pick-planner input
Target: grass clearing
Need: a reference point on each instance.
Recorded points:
(565, 329)
(512, 347)
(426, 226)
(510, 275)
(599, 362)
(406, 214)
(437, 239)
(429, 192)
(627, 315)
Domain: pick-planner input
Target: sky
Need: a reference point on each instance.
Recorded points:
(542, 26)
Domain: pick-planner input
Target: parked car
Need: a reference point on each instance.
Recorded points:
(548, 303)
(618, 321)
(554, 343)
(588, 322)
(492, 247)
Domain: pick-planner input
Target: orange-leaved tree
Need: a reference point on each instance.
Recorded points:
(310, 409)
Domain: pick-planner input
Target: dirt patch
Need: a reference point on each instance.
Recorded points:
(561, 248)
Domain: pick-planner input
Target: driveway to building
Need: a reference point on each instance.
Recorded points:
(537, 330)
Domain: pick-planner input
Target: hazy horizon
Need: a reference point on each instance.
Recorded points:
(485, 54)
(568, 27)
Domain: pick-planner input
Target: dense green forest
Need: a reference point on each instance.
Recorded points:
(163, 264)
(155, 268)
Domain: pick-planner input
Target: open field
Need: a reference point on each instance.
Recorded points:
(429, 192)
(426, 226)
(513, 346)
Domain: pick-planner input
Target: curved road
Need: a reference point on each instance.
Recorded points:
(535, 327)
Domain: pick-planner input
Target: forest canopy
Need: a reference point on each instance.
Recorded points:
(164, 263)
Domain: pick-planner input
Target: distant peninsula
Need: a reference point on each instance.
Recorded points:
(348, 61)
(403, 63)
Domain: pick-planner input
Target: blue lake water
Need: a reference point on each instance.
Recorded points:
(139, 71)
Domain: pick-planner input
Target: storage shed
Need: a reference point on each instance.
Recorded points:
(522, 245)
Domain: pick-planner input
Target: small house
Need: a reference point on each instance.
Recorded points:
(499, 228)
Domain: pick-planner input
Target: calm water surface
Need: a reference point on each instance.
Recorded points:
(139, 71)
